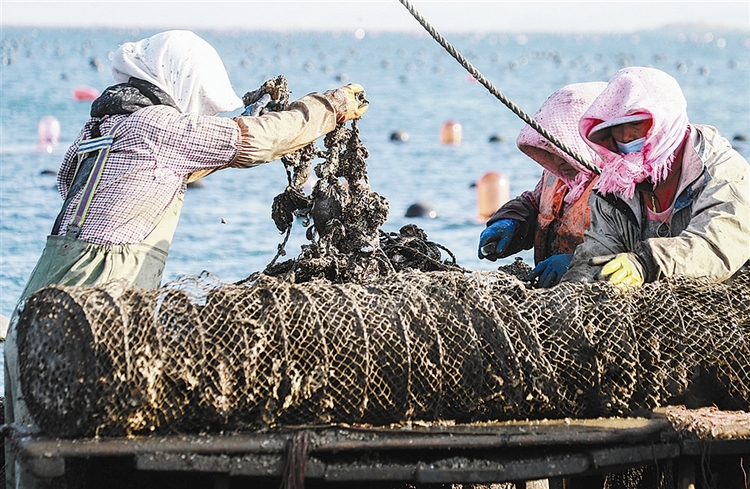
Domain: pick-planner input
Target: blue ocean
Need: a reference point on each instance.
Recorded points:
(414, 87)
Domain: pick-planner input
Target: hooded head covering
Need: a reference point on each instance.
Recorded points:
(560, 114)
(635, 94)
(183, 65)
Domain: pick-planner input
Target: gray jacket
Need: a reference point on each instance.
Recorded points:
(709, 233)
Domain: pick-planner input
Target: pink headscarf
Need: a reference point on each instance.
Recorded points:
(560, 114)
(638, 91)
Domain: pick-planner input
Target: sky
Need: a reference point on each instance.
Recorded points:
(382, 15)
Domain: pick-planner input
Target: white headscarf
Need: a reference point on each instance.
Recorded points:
(560, 114)
(183, 65)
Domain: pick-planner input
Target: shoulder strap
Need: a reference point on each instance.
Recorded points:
(79, 180)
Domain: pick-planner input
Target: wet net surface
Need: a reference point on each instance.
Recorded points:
(198, 355)
(370, 327)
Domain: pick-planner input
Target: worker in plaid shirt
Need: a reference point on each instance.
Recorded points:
(124, 178)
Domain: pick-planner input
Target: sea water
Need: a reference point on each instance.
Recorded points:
(413, 86)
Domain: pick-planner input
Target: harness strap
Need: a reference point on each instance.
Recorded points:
(103, 144)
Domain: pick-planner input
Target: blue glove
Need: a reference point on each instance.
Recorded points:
(550, 271)
(254, 110)
(496, 237)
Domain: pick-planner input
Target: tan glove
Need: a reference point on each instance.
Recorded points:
(623, 269)
(349, 102)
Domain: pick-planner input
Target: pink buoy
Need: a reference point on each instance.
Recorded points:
(451, 133)
(493, 190)
(83, 93)
(48, 131)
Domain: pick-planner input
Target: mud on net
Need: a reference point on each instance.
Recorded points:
(199, 355)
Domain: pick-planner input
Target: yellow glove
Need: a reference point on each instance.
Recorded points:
(349, 101)
(622, 269)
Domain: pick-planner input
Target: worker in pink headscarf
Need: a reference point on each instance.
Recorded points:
(553, 217)
(673, 197)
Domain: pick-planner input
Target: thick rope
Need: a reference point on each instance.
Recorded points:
(293, 476)
(497, 93)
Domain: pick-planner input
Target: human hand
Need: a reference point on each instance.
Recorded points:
(496, 237)
(623, 269)
(349, 102)
(550, 271)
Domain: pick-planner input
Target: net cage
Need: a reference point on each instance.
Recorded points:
(199, 355)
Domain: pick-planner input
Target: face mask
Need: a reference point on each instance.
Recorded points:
(634, 146)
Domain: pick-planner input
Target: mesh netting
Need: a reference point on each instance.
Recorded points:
(200, 355)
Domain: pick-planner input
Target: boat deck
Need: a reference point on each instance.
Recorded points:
(420, 453)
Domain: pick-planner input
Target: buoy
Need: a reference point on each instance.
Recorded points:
(399, 136)
(451, 133)
(493, 190)
(84, 93)
(421, 209)
(48, 132)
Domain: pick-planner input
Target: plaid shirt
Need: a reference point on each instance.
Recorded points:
(156, 149)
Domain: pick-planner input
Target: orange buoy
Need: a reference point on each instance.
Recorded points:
(493, 190)
(48, 131)
(451, 133)
(83, 93)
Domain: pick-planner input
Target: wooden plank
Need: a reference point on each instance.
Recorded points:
(572, 446)
(634, 455)
(354, 438)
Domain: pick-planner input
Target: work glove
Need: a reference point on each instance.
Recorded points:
(349, 102)
(623, 269)
(550, 271)
(496, 237)
(254, 109)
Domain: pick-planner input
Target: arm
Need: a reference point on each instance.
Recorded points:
(188, 144)
(610, 232)
(716, 241)
(271, 136)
